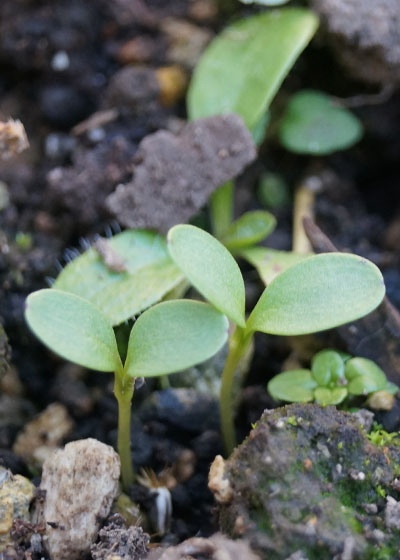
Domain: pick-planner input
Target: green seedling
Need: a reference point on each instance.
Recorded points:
(380, 437)
(316, 124)
(145, 274)
(333, 377)
(168, 337)
(240, 72)
(318, 293)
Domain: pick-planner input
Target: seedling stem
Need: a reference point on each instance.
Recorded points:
(123, 391)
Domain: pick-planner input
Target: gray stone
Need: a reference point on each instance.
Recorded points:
(175, 175)
(81, 482)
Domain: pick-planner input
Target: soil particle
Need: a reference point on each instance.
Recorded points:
(75, 505)
(43, 435)
(133, 89)
(117, 542)
(175, 175)
(304, 484)
(217, 547)
(365, 36)
(5, 353)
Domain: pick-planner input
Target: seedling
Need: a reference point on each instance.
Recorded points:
(318, 293)
(168, 337)
(334, 377)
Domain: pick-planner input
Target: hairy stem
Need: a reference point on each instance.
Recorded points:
(238, 345)
(123, 391)
(222, 209)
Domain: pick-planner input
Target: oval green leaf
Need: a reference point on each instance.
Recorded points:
(73, 328)
(174, 335)
(243, 67)
(314, 124)
(148, 276)
(365, 376)
(325, 396)
(210, 268)
(322, 292)
(327, 366)
(292, 386)
(249, 229)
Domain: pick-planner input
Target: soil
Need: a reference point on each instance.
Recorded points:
(61, 65)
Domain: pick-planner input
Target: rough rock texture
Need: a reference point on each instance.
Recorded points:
(175, 175)
(216, 547)
(16, 493)
(81, 482)
(307, 479)
(366, 36)
(116, 542)
(44, 434)
(5, 352)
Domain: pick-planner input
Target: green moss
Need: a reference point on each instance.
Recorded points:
(292, 421)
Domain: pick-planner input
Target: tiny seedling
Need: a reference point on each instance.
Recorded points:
(168, 337)
(318, 293)
(333, 377)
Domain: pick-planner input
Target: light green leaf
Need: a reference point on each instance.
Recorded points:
(292, 386)
(327, 366)
(210, 268)
(326, 396)
(149, 275)
(314, 124)
(243, 67)
(270, 262)
(73, 328)
(249, 229)
(322, 292)
(391, 388)
(174, 335)
(365, 376)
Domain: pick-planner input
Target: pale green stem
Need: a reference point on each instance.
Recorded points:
(222, 209)
(238, 345)
(123, 391)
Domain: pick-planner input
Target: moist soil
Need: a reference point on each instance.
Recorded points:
(44, 221)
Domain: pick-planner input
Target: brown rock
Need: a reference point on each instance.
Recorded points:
(175, 175)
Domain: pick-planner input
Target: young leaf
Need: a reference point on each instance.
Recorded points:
(313, 124)
(243, 67)
(293, 386)
(327, 366)
(73, 328)
(149, 276)
(322, 292)
(326, 396)
(249, 229)
(270, 262)
(210, 268)
(365, 376)
(174, 335)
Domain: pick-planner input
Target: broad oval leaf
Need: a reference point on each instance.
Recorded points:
(148, 275)
(249, 229)
(73, 328)
(327, 366)
(322, 292)
(243, 67)
(365, 376)
(293, 386)
(270, 262)
(174, 335)
(210, 268)
(325, 396)
(313, 124)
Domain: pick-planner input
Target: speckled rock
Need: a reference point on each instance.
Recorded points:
(43, 435)
(365, 35)
(117, 542)
(81, 482)
(4, 352)
(308, 479)
(16, 493)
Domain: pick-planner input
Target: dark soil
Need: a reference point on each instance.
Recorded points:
(60, 63)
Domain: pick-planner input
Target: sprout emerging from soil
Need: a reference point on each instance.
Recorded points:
(168, 337)
(320, 292)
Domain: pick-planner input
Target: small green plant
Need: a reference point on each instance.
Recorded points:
(379, 437)
(168, 337)
(333, 377)
(318, 293)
